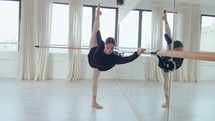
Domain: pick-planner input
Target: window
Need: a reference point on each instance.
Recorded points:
(208, 34)
(146, 30)
(60, 21)
(60, 27)
(128, 32)
(9, 26)
(86, 26)
(107, 23)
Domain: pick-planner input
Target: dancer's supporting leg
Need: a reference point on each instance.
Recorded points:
(96, 72)
(166, 76)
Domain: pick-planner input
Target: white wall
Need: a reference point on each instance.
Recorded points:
(58, 67)
(138, 69)
(207, 71)
(8, 65)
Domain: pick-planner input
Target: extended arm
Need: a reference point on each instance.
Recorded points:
(100, 47)
(99, 38)
(127, 59)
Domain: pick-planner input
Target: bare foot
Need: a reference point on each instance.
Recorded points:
(165, 105)
(164, 16)
(98, 10)
(96, 105)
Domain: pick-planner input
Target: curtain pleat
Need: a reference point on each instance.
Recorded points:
(188, 31)
(34, 29)
(26, 50)
(75, 26)
(157, 35)
(44, 12)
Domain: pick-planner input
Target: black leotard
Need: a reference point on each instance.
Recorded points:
(102, 61)
(166, 63)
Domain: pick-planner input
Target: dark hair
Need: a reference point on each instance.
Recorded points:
(177, 44)
(110, 40)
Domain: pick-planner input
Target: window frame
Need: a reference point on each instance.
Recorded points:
(93, 18)
(140, 24)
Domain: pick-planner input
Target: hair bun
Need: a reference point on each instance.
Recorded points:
(110, 40)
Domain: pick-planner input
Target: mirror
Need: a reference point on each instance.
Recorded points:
(143, 86)
(191, 86)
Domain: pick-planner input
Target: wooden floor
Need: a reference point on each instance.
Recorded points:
(128, 100)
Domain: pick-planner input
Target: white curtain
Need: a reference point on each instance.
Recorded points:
(43, 12)
(75, 26)
(188, 31)
(157, 35)
(26, 52)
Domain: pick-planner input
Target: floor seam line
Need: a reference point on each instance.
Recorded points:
(132, 105)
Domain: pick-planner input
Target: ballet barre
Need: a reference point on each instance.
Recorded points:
(207, 56)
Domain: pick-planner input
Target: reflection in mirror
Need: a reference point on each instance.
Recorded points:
(207, 33)
(192, 84)
(142, 79)
(194, 101)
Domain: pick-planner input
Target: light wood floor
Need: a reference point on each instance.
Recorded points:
(60, 100)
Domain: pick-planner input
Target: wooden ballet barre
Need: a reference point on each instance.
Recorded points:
(208, 56)
(61, 47)
(78, 48)
(41, 46)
